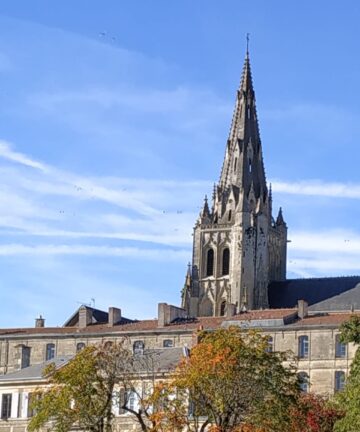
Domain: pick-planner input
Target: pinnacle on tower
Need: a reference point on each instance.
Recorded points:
(280, 218)
(205, 212)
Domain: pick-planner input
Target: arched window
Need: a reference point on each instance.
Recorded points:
(226, 261)
(222, 308)
(303, 381)
(50, 351)
(80, 346)
(138, 347)
(210, 262)
(108, 344)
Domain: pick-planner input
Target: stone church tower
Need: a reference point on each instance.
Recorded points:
(238, 247)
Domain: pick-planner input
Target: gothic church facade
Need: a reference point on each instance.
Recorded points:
(238, 246)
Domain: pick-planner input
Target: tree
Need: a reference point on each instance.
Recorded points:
(313, 413)
(349, 399)
(84, 392)
(232, 379)
(81, 392)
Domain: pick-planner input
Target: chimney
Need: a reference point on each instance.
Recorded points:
(114, 316)
(302, 309)
(230, 310)
(85, 316)
(39, 322)
(167, 313)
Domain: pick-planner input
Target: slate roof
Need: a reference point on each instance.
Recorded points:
(34, 372)
(322, 294)
(156, 360)
(98, 317)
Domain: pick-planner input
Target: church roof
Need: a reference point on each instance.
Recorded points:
(322, 294)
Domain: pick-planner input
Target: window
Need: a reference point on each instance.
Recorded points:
(138, 347)
(130, 399)
(223, 308)
(226, 261)
(168, 343)
(340, 347)
(80, 346)
(50, 351)
(121, 401)
(210, 262)
(25, 356)
(20, 405)
(270, 345)
(108, 344)
(250, 167)
(30, 409)
(339, 380)
(303, 347)
(6, 406)
(229, 216)
(303, 381)
(235, 163)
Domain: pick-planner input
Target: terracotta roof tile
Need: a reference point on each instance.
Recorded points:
(152, 325)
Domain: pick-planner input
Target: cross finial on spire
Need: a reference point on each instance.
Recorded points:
(247, 44)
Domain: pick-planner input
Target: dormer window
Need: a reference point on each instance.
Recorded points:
(138, 347)
(50, 351)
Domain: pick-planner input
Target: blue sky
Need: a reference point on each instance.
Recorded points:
(113, 122)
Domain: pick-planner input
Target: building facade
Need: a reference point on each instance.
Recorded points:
(323, 361)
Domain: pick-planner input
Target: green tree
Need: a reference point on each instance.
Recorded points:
(349, 399)
(81, 392)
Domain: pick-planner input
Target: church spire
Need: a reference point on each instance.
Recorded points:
(243, 164)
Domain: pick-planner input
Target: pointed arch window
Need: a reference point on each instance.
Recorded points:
(210, 262)
(235, 164)
(226, 261)
(223, 308)
(229, 216)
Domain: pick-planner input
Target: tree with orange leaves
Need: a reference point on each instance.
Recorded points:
(232, 380)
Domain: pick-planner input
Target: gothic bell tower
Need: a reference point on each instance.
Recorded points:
(238, 247)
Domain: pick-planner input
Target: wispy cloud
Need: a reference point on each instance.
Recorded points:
(126, 252)
(318, 188)
(43, 210)
(8, 153)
